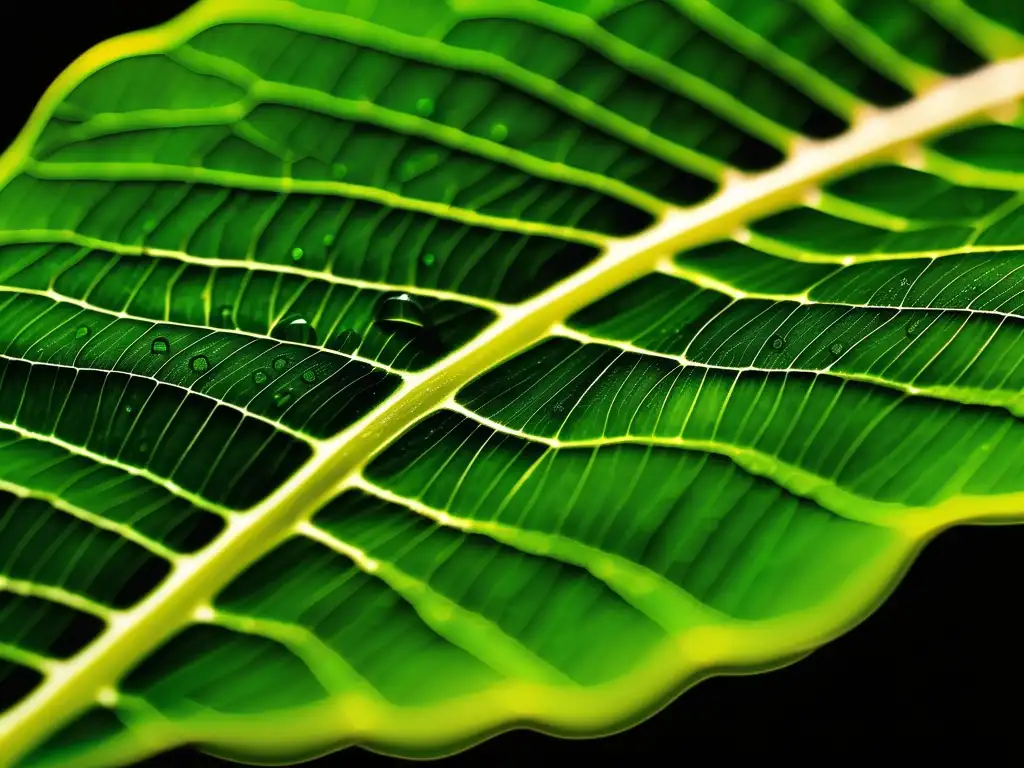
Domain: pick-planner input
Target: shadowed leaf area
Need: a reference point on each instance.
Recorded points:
(395, 373)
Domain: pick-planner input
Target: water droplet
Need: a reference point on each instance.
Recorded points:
(224, 312)
(309, 376)
(912, 328)
(339, 170)
(82, 332)
(160, 346)
(279, 364)
(328, 239)
(778, 343)
(836, 349)
(499, 132)
(199, 363)
(400, 309)
(128, 409)
(425, 107)
(282, 398)
(143, 447)
(294, 328)
(428, 259)
(297, 254)
(346, 342)
(260, 377)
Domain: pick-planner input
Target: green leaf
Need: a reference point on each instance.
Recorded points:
(396, 372)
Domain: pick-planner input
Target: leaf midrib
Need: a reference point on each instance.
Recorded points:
(195, 580)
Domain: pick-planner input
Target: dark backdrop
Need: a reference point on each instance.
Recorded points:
(936, 671)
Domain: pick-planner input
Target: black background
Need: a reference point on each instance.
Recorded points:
(938, 670)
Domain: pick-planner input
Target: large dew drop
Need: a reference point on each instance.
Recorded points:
(160, 346)
(294, 328)
(199, 364)
(400, 310)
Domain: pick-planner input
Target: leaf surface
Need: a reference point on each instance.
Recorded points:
(399, 372)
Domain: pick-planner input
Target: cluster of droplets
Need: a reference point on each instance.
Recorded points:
(394, 311)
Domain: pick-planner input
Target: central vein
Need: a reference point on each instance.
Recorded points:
(195, 581)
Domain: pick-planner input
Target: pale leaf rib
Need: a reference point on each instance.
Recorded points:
(60, 596)
(789, 477)
(245, 412)
(783, 250)
(698, 278)
(46, 236)
(327, 665)
(862, 39)
(633, 59)
(123, 530)
(960, 395)
(664, 603)
(978, 31)
(77, 450)
(150, 171)
(26, 658)
(805, 78)
(61, 298)
(470, 631)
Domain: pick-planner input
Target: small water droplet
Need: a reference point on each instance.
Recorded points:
(297, 254)
(199, 363)
(339, 171)
(428, 259)
(143, 447)
(346, 342)
(282, 398)
(328, 239)
(160, 346)
(82, 332)
(425, 107)
(400, 309)
(836, 349)
(294, 328)
(260, 377)
(279, 364)
(912, 328)
(309, 376)
(128, 409)
(499, 132)
(778, 343)
(224, 312)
